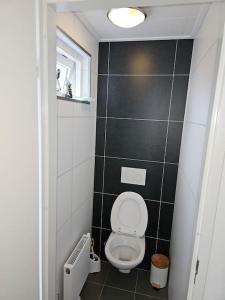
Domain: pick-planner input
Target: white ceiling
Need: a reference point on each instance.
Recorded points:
(163, 22)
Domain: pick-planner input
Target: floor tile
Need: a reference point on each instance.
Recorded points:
(100, 277)
(109, 293)
(143, 297)
(144, 286)
(91, 291)
(122, 281)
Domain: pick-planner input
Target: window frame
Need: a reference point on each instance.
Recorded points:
(66, 46)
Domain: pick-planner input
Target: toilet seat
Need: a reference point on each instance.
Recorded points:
(129, 214)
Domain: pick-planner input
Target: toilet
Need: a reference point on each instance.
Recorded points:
(125, 247)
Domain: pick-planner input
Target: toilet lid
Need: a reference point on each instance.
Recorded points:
(129, 214)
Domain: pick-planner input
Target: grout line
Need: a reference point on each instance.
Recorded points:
(167, 131)
(140, 119)
(75, 166)
(146, 199)
(131, 292)
(134, 159)
(100, 295)
(105, 137)
(135, 290)
(117, 288)
(143, 75)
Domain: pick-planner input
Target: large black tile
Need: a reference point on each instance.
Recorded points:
(153, 215)
(144, 286)
(113, 184)
(91, 291)
(136, 139)
(99, 163)
(143, 97)
(169, 183)
(122, 281)
(179, 97)
(102, 95)
(103, 58)
(104, 237)
(142, 57)
(174, 142)
(110, 293)
(166, 219)
(183, 58)
(108, 201)
(100, 136)
(150, 247)
(97, 207)
(163, 247)
(100, 277)
(95, 233)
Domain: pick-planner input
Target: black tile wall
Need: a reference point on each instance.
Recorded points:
(97, 204)
(173, 142)
(179, 96)
(136, 139)
(142, 88)
(156, 57)
(183, 57)
(169, 183)
(99, 167)
(100, 136)
(102, 95)
(139, 97)
(103, 58)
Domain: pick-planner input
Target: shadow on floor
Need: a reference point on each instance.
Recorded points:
(110, 284)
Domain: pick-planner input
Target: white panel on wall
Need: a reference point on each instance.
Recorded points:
(199, 95)
(81, 220)
(192, 150)
(82, 184)
(83, 139)
(64, 246)
(65, 145)
(133, 176)
(64, 198)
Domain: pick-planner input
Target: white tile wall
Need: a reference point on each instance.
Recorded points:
(82, 183)
(83, 139)
(65, 145)
(193, 147)
(76, 148)
(64, 198)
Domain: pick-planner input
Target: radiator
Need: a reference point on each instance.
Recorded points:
(76, 269)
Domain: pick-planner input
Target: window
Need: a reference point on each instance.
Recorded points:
(73, 69)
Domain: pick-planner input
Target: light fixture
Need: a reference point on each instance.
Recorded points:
(126, 17)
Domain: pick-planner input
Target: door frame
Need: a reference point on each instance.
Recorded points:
(210, 195)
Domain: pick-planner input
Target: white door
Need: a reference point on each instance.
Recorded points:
(208, 266)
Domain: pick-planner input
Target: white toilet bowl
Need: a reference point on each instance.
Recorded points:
(124, 252)
(125, 247)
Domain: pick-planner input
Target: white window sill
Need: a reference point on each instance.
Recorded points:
(76, 99)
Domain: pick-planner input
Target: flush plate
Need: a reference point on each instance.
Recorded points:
(133, 176)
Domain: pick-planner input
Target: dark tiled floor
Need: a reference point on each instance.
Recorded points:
(110, 284)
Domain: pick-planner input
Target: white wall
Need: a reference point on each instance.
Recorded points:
(18, 152)
(76, 148)
(195, 133)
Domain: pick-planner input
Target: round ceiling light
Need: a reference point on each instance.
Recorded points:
(126, 17)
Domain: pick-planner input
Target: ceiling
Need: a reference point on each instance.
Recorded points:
(162, 22)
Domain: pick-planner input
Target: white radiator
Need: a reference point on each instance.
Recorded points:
(76, 269)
